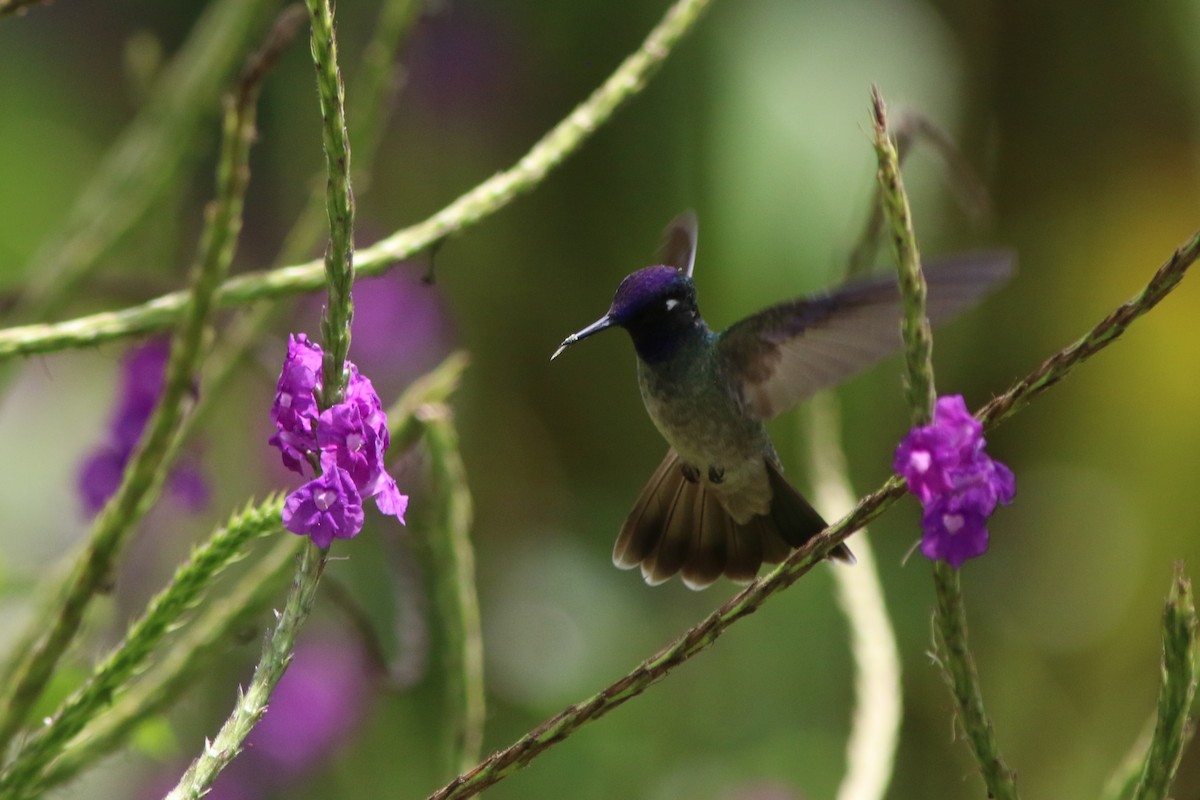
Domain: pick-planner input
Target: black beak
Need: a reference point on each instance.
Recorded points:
(604, 322)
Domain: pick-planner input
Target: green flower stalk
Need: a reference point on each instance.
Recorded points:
(339, 275)
(915, 329)
(252, 703)
(339, 202)
(192, 653)
(39, 652)
(162, 615)
(454, 575)
(1175, 694)
(1144, 761)
(950, 618)
(366, 110)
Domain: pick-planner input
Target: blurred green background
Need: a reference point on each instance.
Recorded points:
(1083, 119)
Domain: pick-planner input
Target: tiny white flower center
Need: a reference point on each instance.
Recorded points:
(920, 460)
(324, 498)
(355, 442)
(953, 523)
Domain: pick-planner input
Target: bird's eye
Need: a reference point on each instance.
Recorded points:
(671, 303)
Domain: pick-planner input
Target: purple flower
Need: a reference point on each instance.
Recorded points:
(355, 446)
(294, 411)
(348, 440)
(955, 529)
(100, 475)
(956, 481)
(141, 384)
(326, 508)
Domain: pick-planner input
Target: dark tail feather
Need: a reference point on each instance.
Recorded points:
(715, 532)
(644, 526)
(795, 518)
(680, 527)
(678, 533)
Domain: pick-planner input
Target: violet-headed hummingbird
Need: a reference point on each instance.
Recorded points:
(718, 504)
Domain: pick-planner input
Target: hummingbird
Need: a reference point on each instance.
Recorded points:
(718, 504)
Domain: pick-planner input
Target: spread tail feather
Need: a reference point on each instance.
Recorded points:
(681, 527)
(795, 519)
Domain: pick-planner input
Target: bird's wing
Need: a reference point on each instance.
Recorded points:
(678, 248)
(788, 352)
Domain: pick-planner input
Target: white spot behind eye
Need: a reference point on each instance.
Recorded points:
(671, 304)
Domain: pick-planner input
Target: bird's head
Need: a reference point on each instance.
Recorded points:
(656, 305)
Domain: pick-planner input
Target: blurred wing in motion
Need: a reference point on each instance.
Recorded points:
(678, 247)
(791, 351)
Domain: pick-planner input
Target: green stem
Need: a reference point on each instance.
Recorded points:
(950, 617)
(395, 19)
(958, 668)
(1061, 364)
(188, 657)
(252, 704)
(144, 475)
(477, 204)
(914, 128)
(1125, 777)
(1175, 694)
(339, 202)
(336, 323)
(458, 603)
(367, 105)
(147, 156)
(162, 614)
(914, 327)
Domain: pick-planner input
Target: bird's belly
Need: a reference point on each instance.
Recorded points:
(726, 448)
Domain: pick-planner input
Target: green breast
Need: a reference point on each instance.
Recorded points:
(696, 408)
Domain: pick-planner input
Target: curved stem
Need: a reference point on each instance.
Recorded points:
(875, 725)
(482, 201)
(458, 601)
(162, 615)
(148, 154)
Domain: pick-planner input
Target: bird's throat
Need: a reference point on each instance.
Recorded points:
(659, 344)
